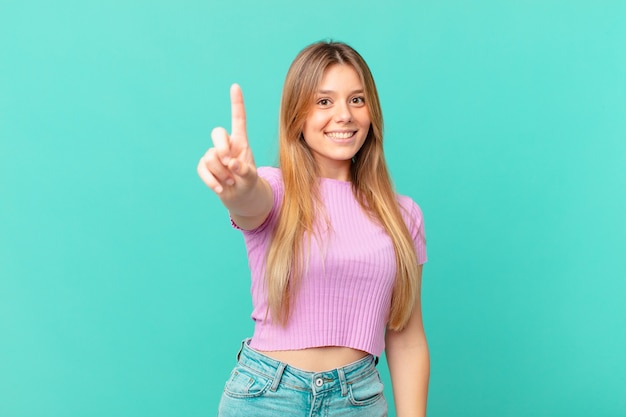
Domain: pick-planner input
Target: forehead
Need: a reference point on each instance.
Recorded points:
(339, 77)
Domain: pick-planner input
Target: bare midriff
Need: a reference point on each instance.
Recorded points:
(317, 359)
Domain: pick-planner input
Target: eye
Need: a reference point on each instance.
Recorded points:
(359, 100)
(323, 102)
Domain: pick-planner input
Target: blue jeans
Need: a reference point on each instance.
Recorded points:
(260, 386)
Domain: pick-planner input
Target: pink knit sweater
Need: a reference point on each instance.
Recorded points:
(345, 293)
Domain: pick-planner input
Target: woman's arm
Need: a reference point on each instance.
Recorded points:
(228, 168)
(409, 363)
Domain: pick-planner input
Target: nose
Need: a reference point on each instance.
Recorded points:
(343, 113)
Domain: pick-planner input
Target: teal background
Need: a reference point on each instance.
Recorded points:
(123, 289)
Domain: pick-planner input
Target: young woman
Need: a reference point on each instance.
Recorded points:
(335, 254)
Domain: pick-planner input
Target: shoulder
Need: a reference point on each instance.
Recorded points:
(272, 175)
(411, 211)
(269, 172)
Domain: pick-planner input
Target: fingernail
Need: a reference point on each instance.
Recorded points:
(225, 160)
(219, 189)
(230, 181)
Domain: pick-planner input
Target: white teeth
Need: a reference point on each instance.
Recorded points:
(340, 135)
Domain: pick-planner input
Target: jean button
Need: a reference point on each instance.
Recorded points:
(319, 382)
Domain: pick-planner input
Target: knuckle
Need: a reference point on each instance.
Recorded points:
(217, 130)
(211, 157)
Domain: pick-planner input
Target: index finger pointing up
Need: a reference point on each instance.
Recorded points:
(238, 114)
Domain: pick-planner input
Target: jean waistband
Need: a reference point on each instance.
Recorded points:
(296, 378)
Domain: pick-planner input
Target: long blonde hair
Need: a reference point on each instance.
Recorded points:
(370, 178)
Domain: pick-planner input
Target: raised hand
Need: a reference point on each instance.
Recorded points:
(228, 167)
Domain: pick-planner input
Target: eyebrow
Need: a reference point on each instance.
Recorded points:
(360, 91)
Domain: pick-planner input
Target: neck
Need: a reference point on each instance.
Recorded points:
(340, 172)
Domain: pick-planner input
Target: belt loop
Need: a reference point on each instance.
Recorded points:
(342, 382)
(278, 376)
(241, 348)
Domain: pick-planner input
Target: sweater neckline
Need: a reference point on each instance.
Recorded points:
(340, 183)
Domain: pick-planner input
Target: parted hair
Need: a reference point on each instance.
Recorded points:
(302, 208)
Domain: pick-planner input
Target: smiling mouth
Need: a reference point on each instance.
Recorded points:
(341, 135)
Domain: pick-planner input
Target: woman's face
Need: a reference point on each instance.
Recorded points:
(338, 122)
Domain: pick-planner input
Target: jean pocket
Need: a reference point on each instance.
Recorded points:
(246, 383)
(366, 391)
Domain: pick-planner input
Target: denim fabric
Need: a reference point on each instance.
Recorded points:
(260, 386)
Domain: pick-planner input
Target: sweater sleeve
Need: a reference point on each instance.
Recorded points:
(274, 178)
(415, 222)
